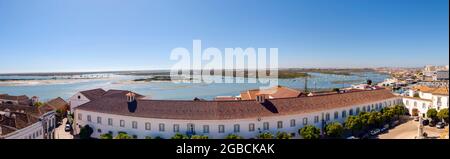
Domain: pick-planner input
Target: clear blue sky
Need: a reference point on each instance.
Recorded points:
(85, 35)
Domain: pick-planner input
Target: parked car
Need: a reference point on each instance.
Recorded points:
(416, 118)
(375, 132)
(440, 125)
(68, 128)
(432, 123)
(352, 137)
(425, 122)
(384, 129)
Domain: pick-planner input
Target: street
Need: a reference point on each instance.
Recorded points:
(409, 130)
(60, 133)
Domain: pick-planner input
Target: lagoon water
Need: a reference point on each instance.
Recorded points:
(52, 88)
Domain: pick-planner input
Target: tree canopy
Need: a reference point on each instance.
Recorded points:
(334, 130)
(310, 132)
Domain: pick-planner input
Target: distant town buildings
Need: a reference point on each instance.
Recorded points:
(435, 73)
(26, 122)
(19, 100)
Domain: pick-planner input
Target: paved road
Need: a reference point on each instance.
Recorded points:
(60, 133)
(409, 130)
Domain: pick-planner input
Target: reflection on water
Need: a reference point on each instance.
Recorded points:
(65, 88)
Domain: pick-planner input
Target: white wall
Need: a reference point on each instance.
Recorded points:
(77, 100)
(213, 124)
(34, 131)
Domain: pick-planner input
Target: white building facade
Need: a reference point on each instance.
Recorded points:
(142, 127)
(421, 101)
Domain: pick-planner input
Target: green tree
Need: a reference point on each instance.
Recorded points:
(199, 137)
(106, 136)
(38, 104)
(310, 132)
(283, 135)
(364, 118)
(123, 135)
(443, 115)
(375, 119)
(399, 110)
(353, 123)
(334, 130)
(432, 113)
(233, 136)
(148, 137)
(265, 135)
(388, 114)
(369, 82)
(86, 132)
(180, 136)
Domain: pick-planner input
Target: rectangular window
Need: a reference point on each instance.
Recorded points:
(161, 127)
(327, 117)
(305, 121)
(237, 128)
(336, 115)
(110, 121)
(122, 123)
(99, 120)
(148, 126)
(266, 126)
(251, 127)
(176, 128)
(344, 114)
(206, 129)
(134, 124)
(293, 123)
(89, 118)
(80, 117)
(316, 119)
(221, 128)
(280, 125)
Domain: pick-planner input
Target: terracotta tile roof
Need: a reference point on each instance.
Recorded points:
(415, 98)
(221, 110)
(58, 103)
(275, 92)
(93, 94)
(437, 91)
(15, 98)
(24, 116)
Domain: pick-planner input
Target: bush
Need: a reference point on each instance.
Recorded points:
(86, 132)
(123, 135)
(106, 136)
(179, 136)
(199, 137)
(148, 137)
(233, 136)
(283, 135)
(310, 132)
(265, 135)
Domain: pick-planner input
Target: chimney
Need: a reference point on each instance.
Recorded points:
(131, 97)
(131, 101)
(261, 98)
